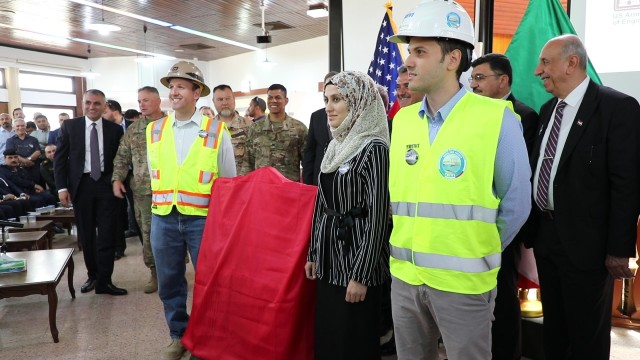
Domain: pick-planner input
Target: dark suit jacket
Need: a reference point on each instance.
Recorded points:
(596, 195)
(53, 137)
(70, 154)
(317, 141)
(529, 119)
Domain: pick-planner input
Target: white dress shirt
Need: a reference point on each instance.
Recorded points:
(87, 142)
(573, 100)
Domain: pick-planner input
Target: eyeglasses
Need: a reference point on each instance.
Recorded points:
(480, 77)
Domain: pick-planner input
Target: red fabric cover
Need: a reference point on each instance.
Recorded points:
(251, 299)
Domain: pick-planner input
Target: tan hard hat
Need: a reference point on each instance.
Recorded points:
(188, 71)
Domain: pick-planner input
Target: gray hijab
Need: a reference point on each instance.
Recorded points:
(366, 121)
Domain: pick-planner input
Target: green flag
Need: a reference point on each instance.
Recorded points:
(543, 20)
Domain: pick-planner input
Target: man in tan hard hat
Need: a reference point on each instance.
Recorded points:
(459, 189)
(181, 188)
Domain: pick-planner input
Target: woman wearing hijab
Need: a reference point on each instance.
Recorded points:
(348, 253)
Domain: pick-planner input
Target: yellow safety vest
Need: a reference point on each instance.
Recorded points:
(186, 186)
(444, 209)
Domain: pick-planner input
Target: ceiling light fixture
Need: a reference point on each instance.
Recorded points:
(102, 27)
(165, 24)
(89, 74)
(144, 59)
(318, 10)
(95, 43)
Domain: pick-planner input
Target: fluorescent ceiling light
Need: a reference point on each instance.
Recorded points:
(97, 43)
(165, 24)
(318, 10)
(213, 37)
(104, 28)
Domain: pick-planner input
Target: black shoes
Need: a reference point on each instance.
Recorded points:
(111, 290)
(88, 286)
(119, 255)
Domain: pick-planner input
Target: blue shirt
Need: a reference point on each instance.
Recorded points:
(511, 171)
(4, 136)
(24, 147)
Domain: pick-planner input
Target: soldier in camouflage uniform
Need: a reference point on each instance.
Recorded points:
(276, 141)
(132, 153)
(225, 104)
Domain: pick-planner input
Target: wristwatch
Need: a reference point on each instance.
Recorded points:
(29, 158)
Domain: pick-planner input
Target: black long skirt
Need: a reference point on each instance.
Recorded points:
(346, 330)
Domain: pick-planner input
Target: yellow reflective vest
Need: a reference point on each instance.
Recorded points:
(186, 186)
(444, 209)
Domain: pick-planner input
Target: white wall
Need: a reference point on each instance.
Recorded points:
(360, 36)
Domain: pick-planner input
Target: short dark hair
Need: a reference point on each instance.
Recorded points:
(498, 63)
(14, 110)
(114, 106)
(278, 87)
(150, 89)
(448, 45)
(402, 69)
(95, 92)
(256, 101)
(31, 125)
(222, 87)
(131, 113)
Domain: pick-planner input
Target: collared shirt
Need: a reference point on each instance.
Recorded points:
(24, 147)
(87, 142)
(4, 136)
(185, 132)
(573, 100)
(42, 136)
(511, 172)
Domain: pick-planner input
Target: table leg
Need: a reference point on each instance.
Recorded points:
(53, 307)
(70, 269)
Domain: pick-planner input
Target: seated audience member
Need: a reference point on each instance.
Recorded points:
(11, 196)
(13, 173)
(26, 148)
(46, 169)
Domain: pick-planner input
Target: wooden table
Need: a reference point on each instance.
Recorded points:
(40, 225)
(66, 217)
(30, 240)
(44, 271)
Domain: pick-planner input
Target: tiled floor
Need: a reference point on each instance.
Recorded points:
(125, 327)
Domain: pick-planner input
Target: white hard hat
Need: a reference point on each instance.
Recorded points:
(188, 71)
(436, 19)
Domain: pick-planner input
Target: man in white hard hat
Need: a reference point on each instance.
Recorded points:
(181, 188)
(459, 188)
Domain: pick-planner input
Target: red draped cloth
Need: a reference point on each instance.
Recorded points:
(251, 299)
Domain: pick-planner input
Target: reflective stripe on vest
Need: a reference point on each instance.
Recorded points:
(211, 140)
(162, 197)
(205, 177)
(156, 129)
(192, 199)
(447, 262)
(445, 211)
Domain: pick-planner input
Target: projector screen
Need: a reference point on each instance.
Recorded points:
(610, 30)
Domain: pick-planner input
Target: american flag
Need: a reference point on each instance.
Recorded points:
(386, 58)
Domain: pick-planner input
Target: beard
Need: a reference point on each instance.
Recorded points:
(226, 112)
(6, 125)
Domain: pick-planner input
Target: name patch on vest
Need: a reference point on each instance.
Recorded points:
(452, 164)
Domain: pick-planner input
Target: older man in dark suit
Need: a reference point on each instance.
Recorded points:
(586, 168)
(83, 167)
(492, 76)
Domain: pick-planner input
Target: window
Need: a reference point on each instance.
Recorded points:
(2, 84)
(51, 112)
(46, 82)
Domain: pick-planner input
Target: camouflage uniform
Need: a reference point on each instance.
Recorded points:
(132, 152)
(238, 128)
(276, 144)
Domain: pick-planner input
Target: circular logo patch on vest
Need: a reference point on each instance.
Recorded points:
(452, 164)
(411, 157)
(453, 20)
